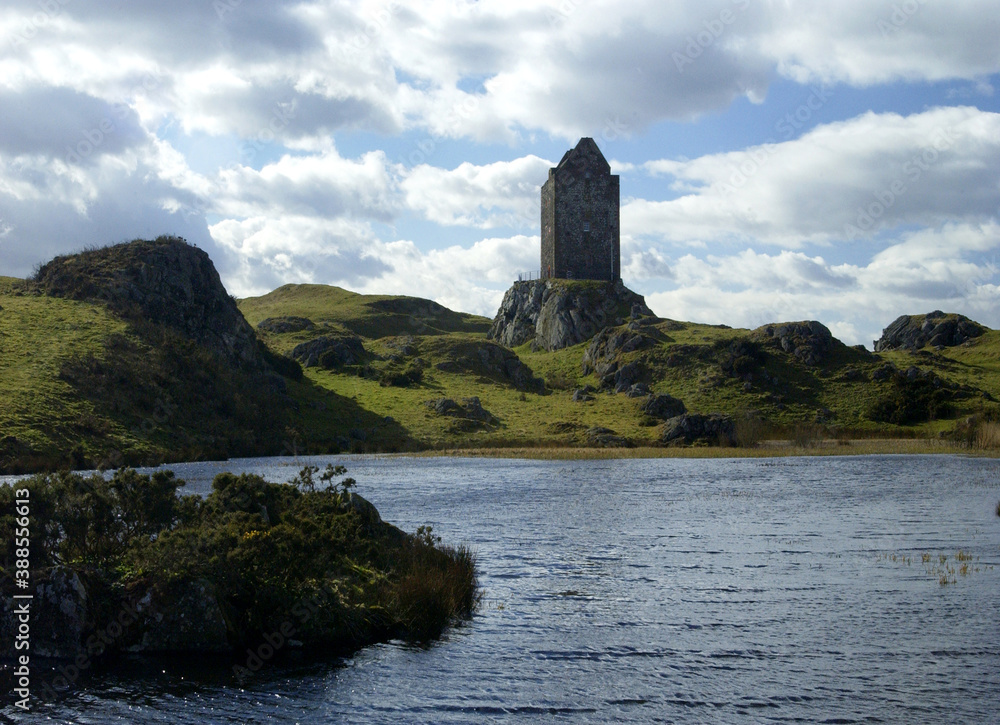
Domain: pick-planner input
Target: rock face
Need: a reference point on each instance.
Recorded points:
(559, 313)
(603, 358)
(912, 332)
(167, 281)
(59, 616)
(606, 438)
(470, 415)
(185, 616)
(664, 406)
(692, 428)
(809, 341)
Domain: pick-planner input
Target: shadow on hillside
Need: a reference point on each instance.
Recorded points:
(327, 422)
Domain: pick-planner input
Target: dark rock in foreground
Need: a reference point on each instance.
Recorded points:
(599, 437)
(281, 325)
(664, 406)
(912, 332)
(470, 415)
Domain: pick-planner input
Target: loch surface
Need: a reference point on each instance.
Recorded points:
(688, 591)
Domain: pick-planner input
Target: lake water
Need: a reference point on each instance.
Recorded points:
(688, 591)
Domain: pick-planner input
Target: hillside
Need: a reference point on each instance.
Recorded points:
(129, 354)
(135, 353)
(415, 382)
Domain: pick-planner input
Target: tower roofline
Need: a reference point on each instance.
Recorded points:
(585, 147)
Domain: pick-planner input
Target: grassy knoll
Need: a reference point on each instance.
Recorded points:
(370, 316)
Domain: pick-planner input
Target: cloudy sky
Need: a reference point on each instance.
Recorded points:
(779, 159)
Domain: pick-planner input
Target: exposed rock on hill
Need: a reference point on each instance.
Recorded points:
(470, 414)
(492, 361)
(603, 356)
(689, 428)
(599, 437)
(330, 352)
(809, 341)
(166, 281)
(664, 406)
(560, 313)
(912, 332)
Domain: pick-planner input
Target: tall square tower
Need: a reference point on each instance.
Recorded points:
(580, 227)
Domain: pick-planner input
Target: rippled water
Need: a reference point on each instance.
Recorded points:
(649, 591)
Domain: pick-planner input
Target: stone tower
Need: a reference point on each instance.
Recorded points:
(580, 229)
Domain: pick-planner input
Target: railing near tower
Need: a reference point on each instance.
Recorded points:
(529, 276)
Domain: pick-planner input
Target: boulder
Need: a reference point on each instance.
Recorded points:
(690, 428)
(664, 407)
(938, 329)
(492, 361)
(599, 437)
(809, 341)
(607, 345)
(561, 313)
(471, 410)
(184, 616)
(60, 614)
(330, 352)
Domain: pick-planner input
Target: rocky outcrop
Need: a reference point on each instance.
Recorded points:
(330, 352)
(809, 341)
(664, 407)
(603, 357)
(599, 437)
(59, 615)
(492, 361)
(184, 616)
(470, 414)
(691, 428)
(166, 281)
(937, 329)
(560, 313)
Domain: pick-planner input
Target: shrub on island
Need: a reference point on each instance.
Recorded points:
(313, 560)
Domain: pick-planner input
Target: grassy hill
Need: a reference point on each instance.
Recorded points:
(91, 374)
(131, 354)
(770, 392)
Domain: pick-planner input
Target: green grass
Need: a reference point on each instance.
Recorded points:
(686, 360)
(370, 316)
(355, 409)
(37, 336)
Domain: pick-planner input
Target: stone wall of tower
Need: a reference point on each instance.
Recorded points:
(580, 222)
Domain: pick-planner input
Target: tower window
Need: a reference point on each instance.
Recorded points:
(586, 226)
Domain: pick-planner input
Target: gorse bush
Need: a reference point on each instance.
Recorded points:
(260, 545)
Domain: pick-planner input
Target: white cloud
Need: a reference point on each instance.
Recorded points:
(851, 179)
(498, 194)
(952, 268)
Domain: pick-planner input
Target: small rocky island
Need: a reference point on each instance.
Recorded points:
(125, 565)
